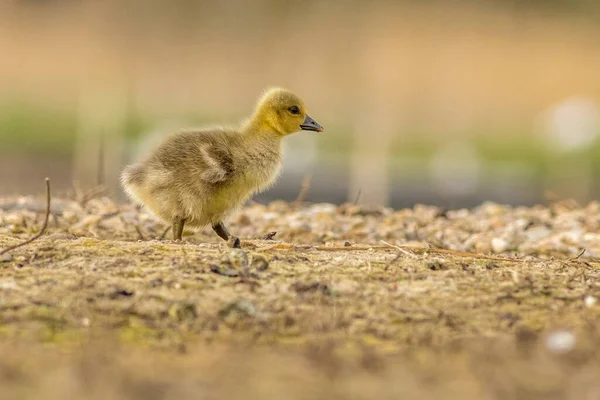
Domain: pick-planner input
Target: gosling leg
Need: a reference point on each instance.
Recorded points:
(220, 230)
(224, 234)
(178, 228)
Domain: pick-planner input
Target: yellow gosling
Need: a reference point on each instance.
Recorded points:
(199, 177)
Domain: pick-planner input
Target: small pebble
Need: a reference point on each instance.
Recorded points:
(500, 245)
(242, 307)
(224, 270)
(183, 311)
(13, 219)
(244, 220)
(8, 285)
(436, 265)
(322, 208)
(238, 258)
(270, 235)
(6, 257)
(537, 233)
(590, 301)
(260, 263)
(560, 342)
(60, 236)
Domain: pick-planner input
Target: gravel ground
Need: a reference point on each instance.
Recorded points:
(344, 301)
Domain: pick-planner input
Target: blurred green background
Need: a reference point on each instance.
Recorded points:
(439, 102)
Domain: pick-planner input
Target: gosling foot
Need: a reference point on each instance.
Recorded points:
(234, 242)
(224, 234)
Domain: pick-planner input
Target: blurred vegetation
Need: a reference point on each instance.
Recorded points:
(39, 128)
(474, 72)
(36, 128)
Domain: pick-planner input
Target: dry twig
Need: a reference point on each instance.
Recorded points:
(139, 232)
(42, 230)
(164, 234)
(407, 249)
(270, 235)
(357, 198)
(578, 255)
(83, 197)
(400, 249)
(303, 190)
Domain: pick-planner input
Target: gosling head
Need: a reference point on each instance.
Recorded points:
(284, 112)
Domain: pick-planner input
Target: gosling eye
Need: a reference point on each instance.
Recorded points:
(294, 110)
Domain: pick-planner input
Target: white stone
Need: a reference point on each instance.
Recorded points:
(324, 208)
(8, 285)
(590, 301)
(500, 245)
(560, 342)
(537, 233)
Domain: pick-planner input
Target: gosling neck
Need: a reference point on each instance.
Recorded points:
(259, 127)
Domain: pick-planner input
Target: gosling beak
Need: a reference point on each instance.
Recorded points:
(310, 124)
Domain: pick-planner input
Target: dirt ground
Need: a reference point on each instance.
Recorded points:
(489, 303)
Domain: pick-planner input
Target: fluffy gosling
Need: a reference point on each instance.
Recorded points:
(199, 177)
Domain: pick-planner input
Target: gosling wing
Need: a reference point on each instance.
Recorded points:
(215, 163)
(199, 156)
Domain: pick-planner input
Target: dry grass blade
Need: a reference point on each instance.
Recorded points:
(400, 249)
(303, 189)
(407, 250)
(357, 198)
(139, 232)
(581, 253)
(164, 234)
(42, 230)
(84, 197)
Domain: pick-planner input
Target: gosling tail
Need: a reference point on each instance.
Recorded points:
(132, 179)
(133, 175)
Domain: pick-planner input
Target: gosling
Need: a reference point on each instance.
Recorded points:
(200, 177)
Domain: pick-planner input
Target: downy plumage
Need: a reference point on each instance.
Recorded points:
(199, 177)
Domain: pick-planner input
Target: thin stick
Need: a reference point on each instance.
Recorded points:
(303, 189)
(357, 198)
(579, 255)
(139, 232)
(162, 236)
(400, 249)
(418, 250)
(83, 197)
(100, 172)
(41, 232)
(135, 225)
